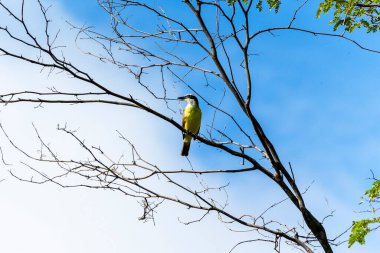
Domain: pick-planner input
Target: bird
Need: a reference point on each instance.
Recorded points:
(191, 121)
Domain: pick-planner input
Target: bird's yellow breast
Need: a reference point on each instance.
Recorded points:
(192, 119)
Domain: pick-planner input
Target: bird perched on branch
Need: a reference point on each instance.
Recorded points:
(191, 121)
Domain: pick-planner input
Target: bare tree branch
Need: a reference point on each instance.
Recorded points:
(176, 49)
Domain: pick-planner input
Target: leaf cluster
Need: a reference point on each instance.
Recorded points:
(373, 192)
(361, 228)
(352, 14)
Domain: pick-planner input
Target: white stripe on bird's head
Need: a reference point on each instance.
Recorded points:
(190, 99)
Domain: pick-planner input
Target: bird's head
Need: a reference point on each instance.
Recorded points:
(190, 99)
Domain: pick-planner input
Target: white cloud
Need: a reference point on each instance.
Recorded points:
(46, 218)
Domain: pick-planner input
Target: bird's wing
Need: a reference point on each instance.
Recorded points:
(200, 123)
(184, 118)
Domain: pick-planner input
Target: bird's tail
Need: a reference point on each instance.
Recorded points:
(185, 148)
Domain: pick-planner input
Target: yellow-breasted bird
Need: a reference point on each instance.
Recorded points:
(191, 121)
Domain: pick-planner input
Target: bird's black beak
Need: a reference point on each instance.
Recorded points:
(181, 98)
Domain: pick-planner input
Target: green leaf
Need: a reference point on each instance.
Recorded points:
(373, 192)
(352, 14)
(360, 230)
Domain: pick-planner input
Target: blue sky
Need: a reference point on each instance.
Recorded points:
(316, 97)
